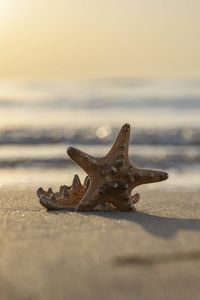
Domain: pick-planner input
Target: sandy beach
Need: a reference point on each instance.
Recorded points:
(151, 254)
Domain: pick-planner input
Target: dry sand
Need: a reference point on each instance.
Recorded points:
(151, 254)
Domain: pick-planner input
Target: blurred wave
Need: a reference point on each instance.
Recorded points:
(102, 135)
(38, 120)
(49, 155)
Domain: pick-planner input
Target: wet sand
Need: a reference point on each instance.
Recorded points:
(151, 254)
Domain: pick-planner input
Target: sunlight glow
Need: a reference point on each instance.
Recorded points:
(4, 6)
(6, 11)
(99, 38)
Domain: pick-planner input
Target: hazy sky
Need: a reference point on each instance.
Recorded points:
(75, 39)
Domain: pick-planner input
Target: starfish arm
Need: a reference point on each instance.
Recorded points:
(90, 200)
(121, 143)
(85, 161)
(66, 197)
(76, 182)
(142, 176)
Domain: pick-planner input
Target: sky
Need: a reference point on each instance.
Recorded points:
(81, 39)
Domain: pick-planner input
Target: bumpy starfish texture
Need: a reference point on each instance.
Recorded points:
(67, 197)
(112, 177)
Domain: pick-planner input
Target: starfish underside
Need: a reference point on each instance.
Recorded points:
(110, 180)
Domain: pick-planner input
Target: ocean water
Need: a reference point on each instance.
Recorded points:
(39, 120)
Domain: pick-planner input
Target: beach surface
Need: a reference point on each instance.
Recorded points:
(151, 254)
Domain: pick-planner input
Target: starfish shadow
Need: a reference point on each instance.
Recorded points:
(165, 227)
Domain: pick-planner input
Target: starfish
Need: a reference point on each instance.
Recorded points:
(67, 197)
(113, 177)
